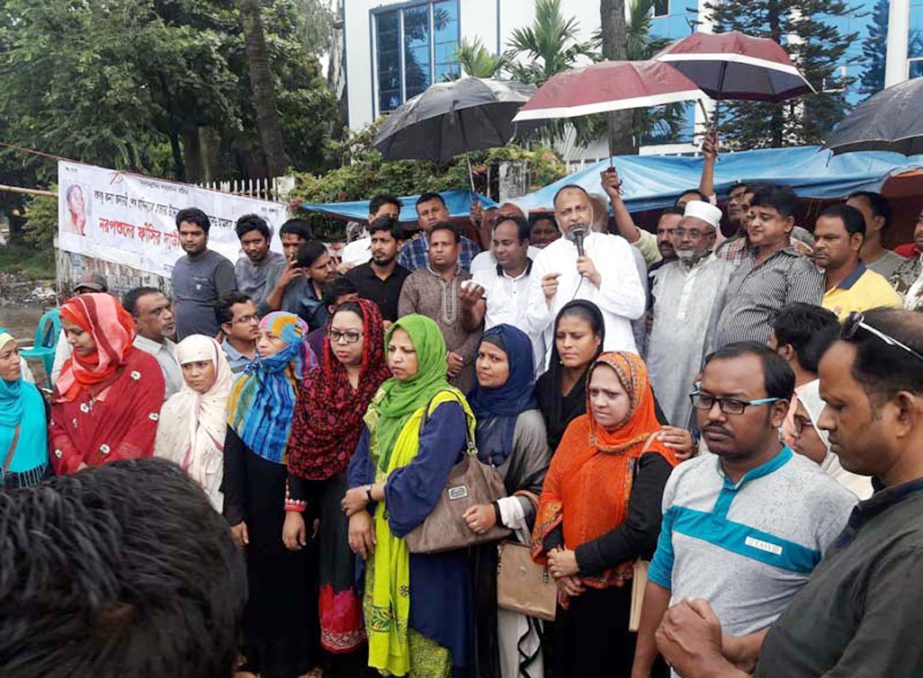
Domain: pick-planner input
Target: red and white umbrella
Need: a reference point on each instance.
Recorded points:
(736, 66)
(608, 86)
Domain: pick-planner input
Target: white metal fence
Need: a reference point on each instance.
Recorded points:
(276, 189)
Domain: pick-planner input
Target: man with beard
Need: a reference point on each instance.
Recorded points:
(654, 248)
(743, 527)
(861, 611)
(381, 279)
(199, 278)
(685, 293)
(360, 251)
(596, 267)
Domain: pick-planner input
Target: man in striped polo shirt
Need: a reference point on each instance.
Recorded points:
(743, 528)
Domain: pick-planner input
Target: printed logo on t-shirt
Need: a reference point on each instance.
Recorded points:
(766, 546)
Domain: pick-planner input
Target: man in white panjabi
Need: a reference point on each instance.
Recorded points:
(605, 274)
(685, 294)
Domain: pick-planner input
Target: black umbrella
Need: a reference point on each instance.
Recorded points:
(892, 120)
(460, 116)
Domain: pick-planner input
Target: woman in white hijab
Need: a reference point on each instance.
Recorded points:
(812, 442)
(193, 422)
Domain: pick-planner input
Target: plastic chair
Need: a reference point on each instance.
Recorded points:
(46, 341)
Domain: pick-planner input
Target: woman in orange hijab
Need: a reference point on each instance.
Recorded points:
(600, 511)
(106, 402)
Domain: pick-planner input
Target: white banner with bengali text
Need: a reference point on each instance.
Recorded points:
(130, 219)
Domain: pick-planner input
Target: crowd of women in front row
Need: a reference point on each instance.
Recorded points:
(323, 465)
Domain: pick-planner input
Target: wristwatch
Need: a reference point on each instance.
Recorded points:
(368, 492)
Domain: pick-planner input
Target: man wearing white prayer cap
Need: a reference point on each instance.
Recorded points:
(686, 292)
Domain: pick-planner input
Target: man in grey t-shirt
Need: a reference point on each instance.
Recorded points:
(200, 278)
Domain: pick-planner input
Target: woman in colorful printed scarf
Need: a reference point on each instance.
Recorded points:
(23, 422)
(418, 608)
(599, 512)
(107, 400)
(328, 422)
(280, 622)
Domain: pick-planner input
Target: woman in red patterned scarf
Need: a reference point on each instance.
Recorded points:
(107, 400)
(325, 431)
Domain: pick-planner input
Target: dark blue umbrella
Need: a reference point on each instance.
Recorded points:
(892, 120)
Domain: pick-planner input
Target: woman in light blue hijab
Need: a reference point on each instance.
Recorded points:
(23, 422)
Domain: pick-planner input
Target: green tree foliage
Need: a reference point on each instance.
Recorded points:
(363, 172)
(41, 222)
(155, 86)
(478, 62)
(550, 45)
(662, 122)
(816, 47)
(874, 51)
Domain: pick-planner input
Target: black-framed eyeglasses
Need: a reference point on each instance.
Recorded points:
(347, 337)
(706, 401)
(856, 321)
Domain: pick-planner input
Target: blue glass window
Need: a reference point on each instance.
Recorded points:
(389, 61)
(661, 7)
(416, 50)
(416, 46)
(915, 43)
(445, 29)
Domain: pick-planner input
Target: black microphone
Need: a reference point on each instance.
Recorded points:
(578, 234)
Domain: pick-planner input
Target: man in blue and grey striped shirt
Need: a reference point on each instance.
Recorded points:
(743, 528)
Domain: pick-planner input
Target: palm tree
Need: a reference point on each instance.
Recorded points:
(477, 61)
(551, 45)
(666, 121)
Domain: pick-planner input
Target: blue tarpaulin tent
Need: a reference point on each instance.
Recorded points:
(654, 182)
(458, 203)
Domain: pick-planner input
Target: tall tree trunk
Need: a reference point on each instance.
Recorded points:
(263, 87)
(615, 48)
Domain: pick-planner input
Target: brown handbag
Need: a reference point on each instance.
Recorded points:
(523, 585)
(470, 482)
(639, 577)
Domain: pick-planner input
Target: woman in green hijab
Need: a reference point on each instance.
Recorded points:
(417, 607)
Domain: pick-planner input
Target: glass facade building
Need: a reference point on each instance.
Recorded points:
(415, 46)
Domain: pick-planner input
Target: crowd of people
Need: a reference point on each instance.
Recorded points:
(735, 400)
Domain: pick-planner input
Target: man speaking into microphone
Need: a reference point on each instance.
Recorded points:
(597, 267)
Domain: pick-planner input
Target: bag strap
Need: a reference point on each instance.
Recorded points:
(470, 444)
(531, 496)
(12, 450)
(647, 446)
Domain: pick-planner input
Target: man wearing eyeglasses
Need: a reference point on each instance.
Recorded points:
(743, 528)
(239, 322)
(861, 612)
(685, 293)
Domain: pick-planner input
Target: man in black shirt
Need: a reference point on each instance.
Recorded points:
(861, 612)
(381, 279)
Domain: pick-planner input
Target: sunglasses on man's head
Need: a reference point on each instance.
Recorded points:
(856, 321)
